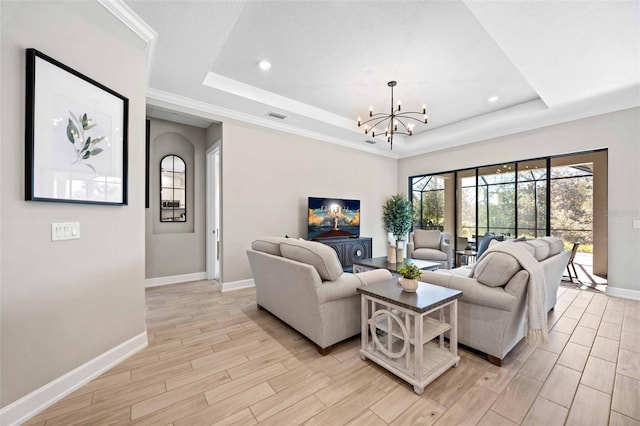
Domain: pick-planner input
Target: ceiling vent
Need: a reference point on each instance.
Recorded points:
(276, 115)
(371, 141)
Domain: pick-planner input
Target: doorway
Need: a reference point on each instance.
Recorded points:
(578, 206)
(213, 211)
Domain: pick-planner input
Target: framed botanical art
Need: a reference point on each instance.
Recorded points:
(75, 136)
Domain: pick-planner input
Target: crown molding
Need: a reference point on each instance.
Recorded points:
(176, 103)
(256, 94)
(120, 10)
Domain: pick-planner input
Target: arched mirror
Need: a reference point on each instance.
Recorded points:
(173, 189)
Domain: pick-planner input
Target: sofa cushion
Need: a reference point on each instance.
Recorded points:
(480, 295)
(493, 242)
(555, 245)
(463, 271)
(429, 254)
(427, 238)
(495, 269)
(540, 248)
(269, 245)
(318, 255)
(527, 247)
(484, 244)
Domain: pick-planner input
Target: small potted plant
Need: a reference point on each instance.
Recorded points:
(410, 274)
(468, 249)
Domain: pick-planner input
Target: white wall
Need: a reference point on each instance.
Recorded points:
(176, 248)
(619, 132)
(267, 176)
(65, 303)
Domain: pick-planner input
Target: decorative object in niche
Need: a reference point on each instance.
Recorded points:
(173, 189)
(75, 136)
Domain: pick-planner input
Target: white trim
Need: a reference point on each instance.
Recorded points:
(524, 117)
(623, 292)
(33, 403)
(174, 279)
(237, 285)
(209, 221)
(120, 10)
(266, 97)
(171, 102)
(212, 185)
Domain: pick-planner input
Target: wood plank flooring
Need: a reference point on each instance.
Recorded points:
(213, 358)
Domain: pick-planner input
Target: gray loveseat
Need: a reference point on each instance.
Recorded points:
(303, 284)
(491, 312)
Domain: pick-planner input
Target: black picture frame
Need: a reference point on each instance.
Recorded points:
(76, 136)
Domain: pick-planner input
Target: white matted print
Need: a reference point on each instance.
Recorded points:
(76, 136)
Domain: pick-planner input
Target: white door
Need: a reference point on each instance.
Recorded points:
(213, 212)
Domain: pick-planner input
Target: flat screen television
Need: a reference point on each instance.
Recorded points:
(333, 218)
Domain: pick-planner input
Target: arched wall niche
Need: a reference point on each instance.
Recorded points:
(172, 143)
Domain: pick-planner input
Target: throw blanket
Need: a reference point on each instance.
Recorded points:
(536, 330)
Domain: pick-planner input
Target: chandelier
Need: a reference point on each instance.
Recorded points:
(395, 122)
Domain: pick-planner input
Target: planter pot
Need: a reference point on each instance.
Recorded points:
(409, 285)
(391, 257)
(399, 251)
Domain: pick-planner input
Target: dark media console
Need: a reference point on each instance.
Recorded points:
(349, 249)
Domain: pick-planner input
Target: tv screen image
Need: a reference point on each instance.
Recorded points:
(333, 217)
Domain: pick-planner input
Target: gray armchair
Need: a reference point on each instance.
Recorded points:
(430, 245)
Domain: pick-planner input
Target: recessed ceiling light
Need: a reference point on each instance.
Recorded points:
(494, 99)
(264, 65)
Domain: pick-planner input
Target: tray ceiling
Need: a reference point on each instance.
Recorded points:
(547, 61)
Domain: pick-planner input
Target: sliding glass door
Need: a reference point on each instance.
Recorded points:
(428, 202)
(467, 204)
(572, 202)
(563, 196)
(497, 200)
(532, 199)
(433, 199)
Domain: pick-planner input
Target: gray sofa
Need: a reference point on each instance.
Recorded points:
(491, 311)
(303, 284)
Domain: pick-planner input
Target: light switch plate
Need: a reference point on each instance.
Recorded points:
(65, 231)
(636, 224)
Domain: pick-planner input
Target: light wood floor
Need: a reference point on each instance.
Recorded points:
(215, 359)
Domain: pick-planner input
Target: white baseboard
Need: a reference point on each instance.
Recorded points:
(623, 292)
(175, 279)
(237, 285)
(33, 403)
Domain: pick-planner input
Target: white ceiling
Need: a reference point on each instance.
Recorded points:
(548, 61)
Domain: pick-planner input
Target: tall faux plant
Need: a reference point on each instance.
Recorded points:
(397, 216)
